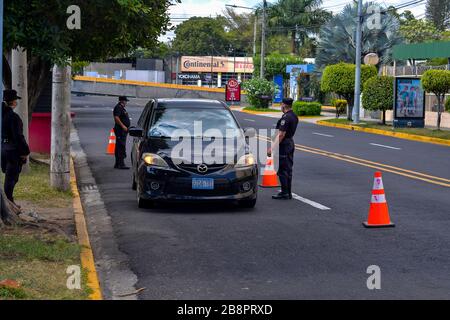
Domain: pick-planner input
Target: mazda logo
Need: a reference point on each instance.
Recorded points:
(202, 168)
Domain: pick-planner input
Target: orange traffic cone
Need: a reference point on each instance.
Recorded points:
(112, 143)
(379, 212)
(270, 178)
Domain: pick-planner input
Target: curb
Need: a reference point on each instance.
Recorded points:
(399, 135)
(86, 255)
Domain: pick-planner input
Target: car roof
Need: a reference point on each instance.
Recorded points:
(194, 103)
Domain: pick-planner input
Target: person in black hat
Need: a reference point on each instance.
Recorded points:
(15, 149)
(122, 123)
(287, 127)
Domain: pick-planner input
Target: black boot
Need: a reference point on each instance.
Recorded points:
(281, 196)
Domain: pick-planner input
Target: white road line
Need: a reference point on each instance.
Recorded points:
(310, 202)
(383, 146)
(324, 135)
(251, 120)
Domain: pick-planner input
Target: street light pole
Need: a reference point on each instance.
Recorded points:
(356, 105)
(263, 39)
(255, 31)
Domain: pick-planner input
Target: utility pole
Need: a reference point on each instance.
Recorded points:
(255, 31)
(358, 64)
(60, 145)
(20, 84)
(263, 39)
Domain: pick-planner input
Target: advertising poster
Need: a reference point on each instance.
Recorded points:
(233, 91)
(278, 81)
(409, 103)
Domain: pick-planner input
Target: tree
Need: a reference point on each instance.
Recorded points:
(378, 94)
(109, 28)
(298, 19)
(276, 64)
(337, 40)
(340, 79)
(416, 31)
(202, 36)
(438, 12)
(437, 82)
(240, 30)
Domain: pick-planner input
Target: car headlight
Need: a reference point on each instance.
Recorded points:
(154, 160)
(247, 160)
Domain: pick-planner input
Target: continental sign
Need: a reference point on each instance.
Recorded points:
(217, 64)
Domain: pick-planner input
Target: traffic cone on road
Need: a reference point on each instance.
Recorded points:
(269, 177)
(111, 148)
(379, 212)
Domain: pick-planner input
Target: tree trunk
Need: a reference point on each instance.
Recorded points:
(384, 117)
(439, 111)
(19, 83)
(293, 45)
(38, 72)
(8, 211)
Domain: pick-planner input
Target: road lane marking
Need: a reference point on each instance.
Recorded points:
(384, 146)
(324, 135)
(251, 120)
(371, 164)
(310, 202)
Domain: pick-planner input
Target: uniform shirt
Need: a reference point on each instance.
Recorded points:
(121, 112)
(12, 132)
(288, 123)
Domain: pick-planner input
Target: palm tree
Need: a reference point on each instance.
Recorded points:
(337, 37)
(297, 18)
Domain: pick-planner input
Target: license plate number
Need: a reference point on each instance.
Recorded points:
(202, 184)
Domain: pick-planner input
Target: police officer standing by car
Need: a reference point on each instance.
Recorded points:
(15, 148)
(122, 124)
(286, 126)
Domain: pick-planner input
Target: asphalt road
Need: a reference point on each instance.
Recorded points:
(290, 249)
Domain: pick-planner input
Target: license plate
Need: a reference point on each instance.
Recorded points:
(202, 184)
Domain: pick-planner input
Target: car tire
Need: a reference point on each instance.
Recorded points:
(145, 204)
(134, 184)
(248, 204)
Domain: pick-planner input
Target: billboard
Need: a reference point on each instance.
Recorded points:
(409, 108)
(217, 64)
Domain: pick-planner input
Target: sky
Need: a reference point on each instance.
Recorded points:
(206, 8)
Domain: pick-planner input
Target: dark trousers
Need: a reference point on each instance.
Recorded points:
(121, 147)
(287, 148)
(11, 167)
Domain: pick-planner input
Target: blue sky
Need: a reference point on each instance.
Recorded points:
(205, 8)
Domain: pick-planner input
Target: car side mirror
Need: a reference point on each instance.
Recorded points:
(250, 132)
(136, 132)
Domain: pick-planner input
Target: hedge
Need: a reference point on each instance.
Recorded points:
(302, 108)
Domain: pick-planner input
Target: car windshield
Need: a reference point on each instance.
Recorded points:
(194, 122)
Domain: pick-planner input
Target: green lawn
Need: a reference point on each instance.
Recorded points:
(38, 263)
(441, 134)
(35, 187)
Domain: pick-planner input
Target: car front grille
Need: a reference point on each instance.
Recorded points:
(193, 168)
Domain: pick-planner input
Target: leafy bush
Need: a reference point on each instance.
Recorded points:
(302, 108)
(378, 94)
(340, 79)
(447, 105)
(256, 88)
(340, 105)
(275, 64)
(437, 82)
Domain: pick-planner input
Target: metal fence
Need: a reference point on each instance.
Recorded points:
(410, 70)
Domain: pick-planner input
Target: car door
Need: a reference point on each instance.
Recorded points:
(137, 141)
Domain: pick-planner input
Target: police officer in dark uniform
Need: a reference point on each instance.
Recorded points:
(287, 126)
(15, 148)
(122, 124)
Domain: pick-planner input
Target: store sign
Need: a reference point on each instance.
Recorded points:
(191, 76)
(233, 91)
(217, 64)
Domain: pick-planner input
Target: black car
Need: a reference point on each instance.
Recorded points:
(192, 150)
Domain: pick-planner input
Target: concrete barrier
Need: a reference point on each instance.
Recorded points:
(137, 89)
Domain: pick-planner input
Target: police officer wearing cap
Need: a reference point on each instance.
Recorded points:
(122, 124)
(15, 148)
(286, 126)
